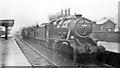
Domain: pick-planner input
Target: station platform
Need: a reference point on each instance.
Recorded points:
(110, 46)
(12, 54)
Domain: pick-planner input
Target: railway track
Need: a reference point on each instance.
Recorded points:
(66, 59)
(34, 57)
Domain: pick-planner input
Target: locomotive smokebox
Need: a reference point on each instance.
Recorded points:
(83, 27)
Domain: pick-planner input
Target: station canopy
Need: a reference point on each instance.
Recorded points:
(7, 22)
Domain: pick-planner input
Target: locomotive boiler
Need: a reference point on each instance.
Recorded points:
(69, 36)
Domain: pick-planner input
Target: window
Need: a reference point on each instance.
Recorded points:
(109, 29)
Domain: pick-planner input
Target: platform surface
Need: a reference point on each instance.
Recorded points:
(110, 46)
(12, 54)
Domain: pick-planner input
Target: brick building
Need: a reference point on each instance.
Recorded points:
(104, 25)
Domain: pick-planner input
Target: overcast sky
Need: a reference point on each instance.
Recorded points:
(28, 12)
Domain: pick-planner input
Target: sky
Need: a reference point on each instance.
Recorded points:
(31, 12)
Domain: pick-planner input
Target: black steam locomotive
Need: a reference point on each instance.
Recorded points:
(69, 36)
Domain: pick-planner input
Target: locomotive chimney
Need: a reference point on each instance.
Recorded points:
(68, 11)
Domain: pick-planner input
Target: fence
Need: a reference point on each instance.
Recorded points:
(106, 36)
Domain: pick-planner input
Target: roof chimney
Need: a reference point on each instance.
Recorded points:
(104, 17)
(61, 11)
(68, 11)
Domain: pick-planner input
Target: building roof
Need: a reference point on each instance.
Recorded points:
(103, 21)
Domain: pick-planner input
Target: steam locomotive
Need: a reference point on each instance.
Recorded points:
(69, 36)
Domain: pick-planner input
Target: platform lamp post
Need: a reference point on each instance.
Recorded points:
(6, 23)
(6, 32)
